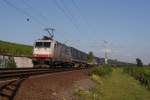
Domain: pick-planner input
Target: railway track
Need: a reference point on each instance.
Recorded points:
(12, 79)
(6, 74)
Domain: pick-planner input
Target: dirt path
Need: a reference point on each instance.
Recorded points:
(121, 86)
(59, 86)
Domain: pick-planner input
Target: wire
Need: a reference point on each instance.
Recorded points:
(23, 12)
(79, 11)
(35, 10)
(66, 15)
(67, 10)
(69, 13)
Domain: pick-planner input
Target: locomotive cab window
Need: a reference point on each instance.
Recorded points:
(38, 44)
(47, 44)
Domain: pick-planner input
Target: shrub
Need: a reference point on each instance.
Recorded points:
(139, 62)
(102, 70)
(8, 63)
(11, 64)
(140, 73)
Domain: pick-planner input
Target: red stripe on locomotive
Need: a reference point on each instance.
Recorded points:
(41, 55)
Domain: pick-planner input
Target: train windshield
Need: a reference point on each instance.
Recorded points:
(42, 44)
(38, 44)
(47, 44)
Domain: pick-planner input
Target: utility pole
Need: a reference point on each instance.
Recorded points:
(106, 52)
(50, 31)
(106, 56)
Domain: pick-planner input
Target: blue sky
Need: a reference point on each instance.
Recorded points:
(85, 24)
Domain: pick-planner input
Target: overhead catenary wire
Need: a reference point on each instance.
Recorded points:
(83, 17)
(66, 15)
(39, 13)
(68, 11)
(24, 12)
(79, 11)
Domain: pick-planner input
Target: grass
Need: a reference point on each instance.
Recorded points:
(117, 86)
(123, 87)
(15, 49)
(94, 93)
(140, 73)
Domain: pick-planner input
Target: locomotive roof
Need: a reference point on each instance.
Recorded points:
(41, 40)
(78, 50)
(45, 38)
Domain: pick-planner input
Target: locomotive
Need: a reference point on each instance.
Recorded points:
(48, 52)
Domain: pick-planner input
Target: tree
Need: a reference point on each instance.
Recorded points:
(90, 57)
(139, 62)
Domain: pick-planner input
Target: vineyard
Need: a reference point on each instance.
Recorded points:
(8, 48)
(140, 73)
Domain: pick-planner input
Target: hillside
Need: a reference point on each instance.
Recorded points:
(16, 49)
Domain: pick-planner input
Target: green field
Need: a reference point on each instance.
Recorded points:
(15, 49)
(115, 86)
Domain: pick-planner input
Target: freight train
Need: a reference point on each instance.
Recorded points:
(48, 52)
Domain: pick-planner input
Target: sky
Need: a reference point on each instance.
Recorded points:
(84, 24)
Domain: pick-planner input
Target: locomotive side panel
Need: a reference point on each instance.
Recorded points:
(83, 56)
(62, 53)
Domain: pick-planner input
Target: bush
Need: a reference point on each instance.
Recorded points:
(140, 73)
(139, 62)
(8, 63)
(11, 65)
(102, 70)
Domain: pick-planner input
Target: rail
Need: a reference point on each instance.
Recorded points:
(26, 72)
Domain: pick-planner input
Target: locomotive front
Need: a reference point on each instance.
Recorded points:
(43, 52)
